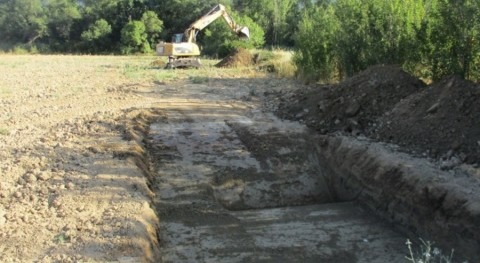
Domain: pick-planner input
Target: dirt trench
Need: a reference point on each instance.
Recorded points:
(234, 183)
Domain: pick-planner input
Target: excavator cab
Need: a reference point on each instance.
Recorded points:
(177, 38)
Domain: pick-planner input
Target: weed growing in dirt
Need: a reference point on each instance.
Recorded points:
(135, 71)
(4, 131)
(428, 253)
(60, 238)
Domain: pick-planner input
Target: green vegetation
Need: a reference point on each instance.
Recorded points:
(4, 131)
(431, 38)
(219, 40)
(332, 39)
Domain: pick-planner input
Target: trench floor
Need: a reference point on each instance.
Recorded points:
(235, 184)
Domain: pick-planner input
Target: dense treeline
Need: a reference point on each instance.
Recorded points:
(333, 38)
(431, 38)
(118, 26)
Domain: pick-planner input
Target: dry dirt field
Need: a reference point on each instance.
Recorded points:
(78, 134)
(63, 195)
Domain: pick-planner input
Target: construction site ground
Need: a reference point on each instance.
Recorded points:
(113, 159)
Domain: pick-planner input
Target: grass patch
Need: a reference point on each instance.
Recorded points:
(134, 71)
(276, 61)
(4, 131)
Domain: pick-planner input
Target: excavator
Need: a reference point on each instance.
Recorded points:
(183, 51)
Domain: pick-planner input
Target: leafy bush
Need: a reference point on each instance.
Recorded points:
(95, 38)
(336, 39)
(153, 26)
(316, 57)
(219, 40)
(134, 38)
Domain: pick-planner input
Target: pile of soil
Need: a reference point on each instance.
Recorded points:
(387, 104)
(239, 57)
(442, 120)
(354, 104)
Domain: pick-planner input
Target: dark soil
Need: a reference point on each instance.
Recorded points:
(385, 103)
(442, 120)
(240, 57)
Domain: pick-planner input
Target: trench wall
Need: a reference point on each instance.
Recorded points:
(408, 192)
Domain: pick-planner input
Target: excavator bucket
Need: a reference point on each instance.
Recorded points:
(243, 32)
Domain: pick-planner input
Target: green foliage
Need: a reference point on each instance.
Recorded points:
(96, 36)
(219, 40)
(317, 55)
(333, 38)
(134, 38)
(23, 21)
(434, 37)
(273, 16)
(179, 14)
(450, 40)
(153, 26)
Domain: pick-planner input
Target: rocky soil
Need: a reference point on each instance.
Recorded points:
(64, 196)
(436, 125)
(238, 58)
(386, 104)
(77, 179)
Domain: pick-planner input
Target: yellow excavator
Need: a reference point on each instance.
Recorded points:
(183, 51)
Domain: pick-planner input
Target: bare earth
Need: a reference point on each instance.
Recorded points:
(63, 197)
(110, 159)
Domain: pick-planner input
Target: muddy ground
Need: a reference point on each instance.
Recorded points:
(109, 159)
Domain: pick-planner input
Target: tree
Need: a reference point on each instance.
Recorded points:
(23, 21)
(62, 16)
(177, 15)
(272, 16)
(219, 40)
(96, 37)
(449, 38)
(317, 55)
(134, 38)
(153, 26)
(342, 37)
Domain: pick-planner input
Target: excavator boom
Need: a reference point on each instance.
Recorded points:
(216, 12)
(183, 50)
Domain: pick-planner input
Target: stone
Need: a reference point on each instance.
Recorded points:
(433, 108)
(69, 185)
(43, 176)
(353, 109)
(30, 177)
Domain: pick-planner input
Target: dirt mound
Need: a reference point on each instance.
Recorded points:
(441, 120)
(240, 57)
(158, 63)
(387, 104)
(356, 103)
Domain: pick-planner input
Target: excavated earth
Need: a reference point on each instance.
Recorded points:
(139, 170)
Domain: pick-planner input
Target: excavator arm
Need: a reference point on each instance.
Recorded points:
(183, 50)
(216, 12)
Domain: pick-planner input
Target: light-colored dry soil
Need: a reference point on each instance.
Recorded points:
(95, 149)
(66, 192)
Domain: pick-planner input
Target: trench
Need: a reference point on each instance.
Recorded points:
(235, 184)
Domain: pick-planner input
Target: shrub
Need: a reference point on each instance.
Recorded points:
(134, 38)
